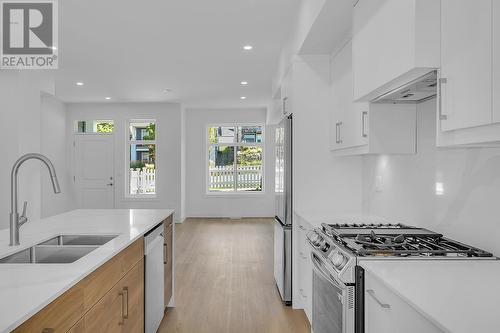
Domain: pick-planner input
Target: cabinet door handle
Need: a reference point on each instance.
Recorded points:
(337, 140)
(364, 115)
(125, 292)
(441, 82)
(371, 292)
(122, 321)
(164, 253)
(340, 132)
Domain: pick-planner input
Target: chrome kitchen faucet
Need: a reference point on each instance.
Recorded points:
(17, 221)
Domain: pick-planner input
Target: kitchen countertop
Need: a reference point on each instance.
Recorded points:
(27, 288)
(457, 296)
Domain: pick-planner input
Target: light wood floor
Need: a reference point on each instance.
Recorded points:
(224, 280)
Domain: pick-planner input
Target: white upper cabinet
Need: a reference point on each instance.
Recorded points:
(466, 64)
(469, 95)
(365, 128)
(394, 42)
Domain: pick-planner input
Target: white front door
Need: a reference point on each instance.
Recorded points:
(94, 176)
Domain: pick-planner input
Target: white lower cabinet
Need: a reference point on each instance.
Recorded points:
(385, 312)
(304, 270)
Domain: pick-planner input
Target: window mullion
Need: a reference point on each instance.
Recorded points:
(235, 166)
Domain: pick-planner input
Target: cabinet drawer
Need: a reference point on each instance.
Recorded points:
(68, 308)
(120, 310)
(385, 312)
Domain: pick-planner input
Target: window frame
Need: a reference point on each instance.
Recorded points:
(128, 143)
(94, 123)
(235, 144)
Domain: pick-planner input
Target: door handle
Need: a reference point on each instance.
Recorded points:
(109, 184)
(371, 292)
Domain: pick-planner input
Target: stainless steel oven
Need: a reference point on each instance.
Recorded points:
(333, 301)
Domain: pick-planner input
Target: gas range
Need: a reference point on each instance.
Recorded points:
(343, 245)
(337, 250)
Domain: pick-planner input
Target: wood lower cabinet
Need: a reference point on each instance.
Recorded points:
(168, 259)
(72, 310)
(121, 309)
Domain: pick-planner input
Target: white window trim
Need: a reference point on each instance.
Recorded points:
(262, 144)
(140, 197)
(75, 128)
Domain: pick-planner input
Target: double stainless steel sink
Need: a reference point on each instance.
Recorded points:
(61, 249)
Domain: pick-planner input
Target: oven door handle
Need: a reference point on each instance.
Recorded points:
(319, 266)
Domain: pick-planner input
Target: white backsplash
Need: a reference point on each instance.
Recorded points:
(455, 191)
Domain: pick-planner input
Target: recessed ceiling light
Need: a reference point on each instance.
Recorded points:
(107, 98)
(247, 47)
(243, 97)
(79, 84)
(244, 83)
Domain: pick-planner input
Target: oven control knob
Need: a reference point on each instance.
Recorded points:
(314, 238)
(323, 246)
(339, 260)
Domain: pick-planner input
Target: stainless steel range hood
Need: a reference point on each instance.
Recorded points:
(416, 91)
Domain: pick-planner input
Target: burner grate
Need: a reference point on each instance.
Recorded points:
(403, 245)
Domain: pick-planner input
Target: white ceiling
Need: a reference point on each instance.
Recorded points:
(134, 50)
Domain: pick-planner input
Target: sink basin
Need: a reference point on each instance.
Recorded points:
(79, 240)
(61, 249)
(48, 254)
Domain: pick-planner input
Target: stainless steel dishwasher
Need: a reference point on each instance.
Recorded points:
(154, 279)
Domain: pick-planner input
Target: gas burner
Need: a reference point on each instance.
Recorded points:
(381, 241)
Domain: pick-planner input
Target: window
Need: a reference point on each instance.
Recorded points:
(142, 158)
(235, 159)
(94, 126)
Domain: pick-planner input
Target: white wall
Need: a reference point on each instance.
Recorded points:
(467, 208)
(20, 134)
(168, 117)
(53, 144)
(198, 203)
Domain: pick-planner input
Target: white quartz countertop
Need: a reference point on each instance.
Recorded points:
(457, 296)
(27, 288)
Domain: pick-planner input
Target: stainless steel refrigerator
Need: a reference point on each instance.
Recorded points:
(283, 210)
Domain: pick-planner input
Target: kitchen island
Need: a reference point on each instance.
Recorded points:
(29, 289)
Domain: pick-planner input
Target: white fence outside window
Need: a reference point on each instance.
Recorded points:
(249, 177)
(142, 181)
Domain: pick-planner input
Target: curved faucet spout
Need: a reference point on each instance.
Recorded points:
(15, 219)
